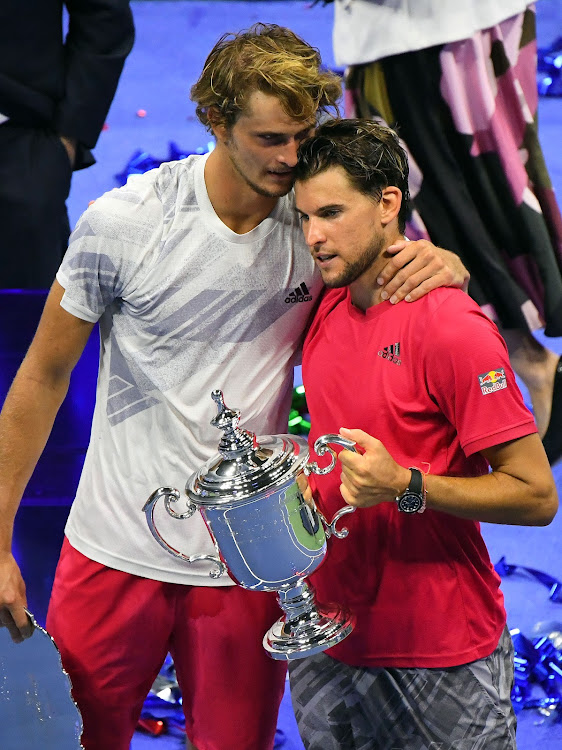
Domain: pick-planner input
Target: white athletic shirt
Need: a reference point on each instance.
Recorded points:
(368, 30)
(185, 306)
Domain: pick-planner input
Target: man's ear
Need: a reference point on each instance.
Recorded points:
(390, 203)
(216, 122)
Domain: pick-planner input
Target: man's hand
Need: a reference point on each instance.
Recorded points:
(13, 600)
(370, 477)
(417, 267)
(70, 146)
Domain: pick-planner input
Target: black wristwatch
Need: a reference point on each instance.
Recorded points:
(412, 500)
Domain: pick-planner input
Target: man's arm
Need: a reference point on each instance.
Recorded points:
(100, 37)
(26, 421)
(417, 267)
(519, 490)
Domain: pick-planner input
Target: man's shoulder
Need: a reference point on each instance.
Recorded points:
(440, 305)
(151, 193)
(170, 176)
(447, 318)
(448, 296)
(442, 319)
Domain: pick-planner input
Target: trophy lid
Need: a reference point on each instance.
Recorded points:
(244, 467)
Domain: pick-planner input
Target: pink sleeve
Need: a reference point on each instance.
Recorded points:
(469, 376)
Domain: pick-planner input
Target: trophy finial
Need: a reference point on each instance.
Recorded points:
(226, 418)
(235, 442)
(218, 398)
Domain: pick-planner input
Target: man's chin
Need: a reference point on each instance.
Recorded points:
(279, 191)
(333, 283)
(280, 183)
(265, 193)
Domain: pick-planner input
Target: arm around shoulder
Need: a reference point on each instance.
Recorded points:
(418, 267)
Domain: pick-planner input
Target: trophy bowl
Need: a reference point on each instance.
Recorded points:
(267, 536)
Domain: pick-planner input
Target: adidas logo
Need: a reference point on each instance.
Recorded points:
(392, 353)
(300, 294)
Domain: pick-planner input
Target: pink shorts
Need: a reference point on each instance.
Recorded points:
(114, 630)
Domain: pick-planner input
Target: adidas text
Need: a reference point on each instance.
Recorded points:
(300, 294)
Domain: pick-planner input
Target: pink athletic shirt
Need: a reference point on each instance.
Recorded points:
(432, 381)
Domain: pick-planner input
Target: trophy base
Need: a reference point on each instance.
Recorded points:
(309, 634)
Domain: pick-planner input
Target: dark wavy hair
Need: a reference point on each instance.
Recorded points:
(370, 153)
(267, 58)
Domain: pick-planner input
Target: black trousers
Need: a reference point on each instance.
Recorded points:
(35, 175)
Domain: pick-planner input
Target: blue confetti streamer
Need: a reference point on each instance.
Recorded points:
(538, 662)
(141, 161)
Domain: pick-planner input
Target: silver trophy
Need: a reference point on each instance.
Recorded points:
(265, 533)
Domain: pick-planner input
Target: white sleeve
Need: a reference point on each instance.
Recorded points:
(112, 248)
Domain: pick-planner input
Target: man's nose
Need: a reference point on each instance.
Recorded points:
(314, 234)
(288, 153)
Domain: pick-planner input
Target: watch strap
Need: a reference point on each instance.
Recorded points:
(416, 481)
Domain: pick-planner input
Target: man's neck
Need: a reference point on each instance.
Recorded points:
(236, 204)
(364, 295)
(366, 292)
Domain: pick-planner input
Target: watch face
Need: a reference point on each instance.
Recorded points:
(409, 503)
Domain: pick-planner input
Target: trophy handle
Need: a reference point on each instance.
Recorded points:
(330, 528)
(320, 447)
(171, 495)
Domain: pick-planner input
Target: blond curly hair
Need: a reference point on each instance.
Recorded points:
(267, 58)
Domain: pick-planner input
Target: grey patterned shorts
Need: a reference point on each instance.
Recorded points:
(339, 707)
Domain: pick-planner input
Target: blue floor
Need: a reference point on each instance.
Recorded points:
(173, 39)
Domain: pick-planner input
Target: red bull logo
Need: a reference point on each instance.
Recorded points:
(492, 381)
